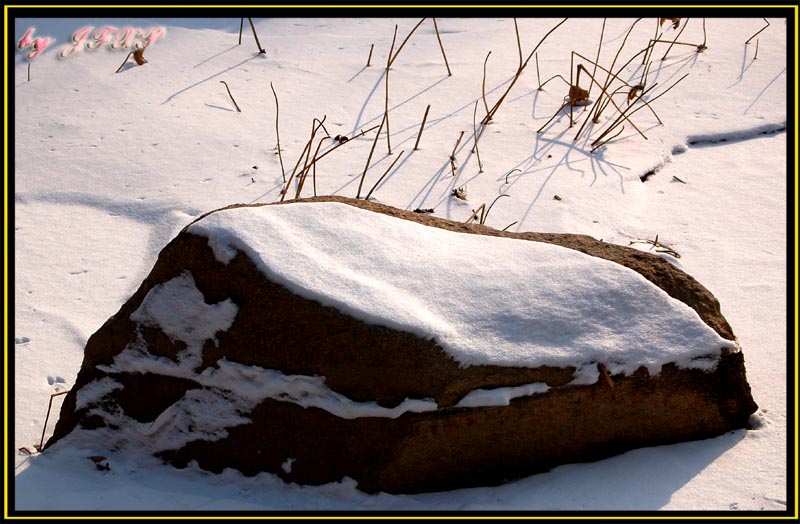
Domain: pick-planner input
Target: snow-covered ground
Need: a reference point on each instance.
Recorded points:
(109, 166)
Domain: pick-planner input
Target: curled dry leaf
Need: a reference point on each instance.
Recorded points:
(460, 193)
(675, 22)
(138, 55)
(634, 92)
(578, 96)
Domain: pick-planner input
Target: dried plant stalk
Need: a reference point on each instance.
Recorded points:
(502, 98)
(421, 127)
(383, 175)
(475, 137)
(230, 95)
(369, 158)
(436, 27)
(277, 132)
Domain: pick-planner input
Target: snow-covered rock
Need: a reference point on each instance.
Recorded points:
(350, 339)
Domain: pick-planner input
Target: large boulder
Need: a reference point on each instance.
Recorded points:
(317, 340)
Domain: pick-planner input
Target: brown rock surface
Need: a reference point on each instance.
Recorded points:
(447, 448)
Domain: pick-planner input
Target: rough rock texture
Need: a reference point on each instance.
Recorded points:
(443, 449)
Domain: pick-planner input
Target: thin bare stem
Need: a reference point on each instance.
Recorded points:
(29, 69)
(316, 124)
(758, 32)
(241, 28)
(277, 132)
(519, 47)
(46, 418)
(565, 104)
(384, 175)
(686, 23)
(598, 107)
(703, 45)
(369, 158)
(755, 57)
(453, 154)
(597, 59)
(490, 206)
(317, 157)
(475, 137)
(499, 102)
(386, 106)
(313, 166)
(511, 224)
(601, 144)
(392, 58)
(369, 58)
(551, 78)
(538, 78)
(436, 27)
(230, 95)
(123, 63)
(515, 169)
(253, 27)
(422, 127)
(475, 212)
(638, 108)
(483, 84)
(611, 100)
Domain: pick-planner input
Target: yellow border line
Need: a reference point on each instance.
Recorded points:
(353, 517)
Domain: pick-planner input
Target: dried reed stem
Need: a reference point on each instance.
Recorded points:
(392, 58)
(277, 132)
(475, 137)
(230, 95)
(483, 84)
(436, 27)
(422, 127)
(369, 158)
(369, 58)
(123, 63)
(502, 98)
(253, 27)
(758, 32)
(384, 175)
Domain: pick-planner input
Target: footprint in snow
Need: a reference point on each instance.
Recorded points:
(21, 341)
(55, 380)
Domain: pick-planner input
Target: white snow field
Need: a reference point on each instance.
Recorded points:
(109, 167)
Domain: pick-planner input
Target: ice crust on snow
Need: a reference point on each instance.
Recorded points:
(485, 300)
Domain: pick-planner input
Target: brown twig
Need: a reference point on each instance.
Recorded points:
(369, 58)
(369, 158)
(230, 95)
(519, 46)
(44, 428)
(384, 175)
(511, 224)
(241, 27)
(758, 32)
(483, 84)
(656, 244)
(392, 58)
(676, 39)
(29, 71)
(436, 27)
(313, 167)
(483, 219)
(475, 137)
(421, 127)
(386, 106)
(277, 132)
(453, 154)
(123, 63)
(261, 50)
(502, 98)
